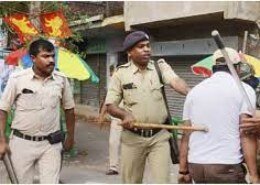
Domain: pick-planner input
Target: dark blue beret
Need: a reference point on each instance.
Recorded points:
(133, 38)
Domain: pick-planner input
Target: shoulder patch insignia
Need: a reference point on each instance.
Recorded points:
(23, 72)
(124, 66)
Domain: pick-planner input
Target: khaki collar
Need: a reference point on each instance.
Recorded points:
(135, 69)
(33, 75)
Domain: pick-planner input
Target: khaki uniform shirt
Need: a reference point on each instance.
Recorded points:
(36, 101)
(141, 91)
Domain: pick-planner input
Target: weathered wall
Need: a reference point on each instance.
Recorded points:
(144, 12)
(92, 8)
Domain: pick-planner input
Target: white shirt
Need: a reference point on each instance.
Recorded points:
(216, 103)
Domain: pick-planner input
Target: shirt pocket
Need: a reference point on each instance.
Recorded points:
(157, 92)
(28, 101)
(55, 97)
(131, 96)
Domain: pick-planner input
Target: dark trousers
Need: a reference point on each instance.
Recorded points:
(218, 173)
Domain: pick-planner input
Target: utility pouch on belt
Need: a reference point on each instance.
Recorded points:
(56, 137)
(174, 149)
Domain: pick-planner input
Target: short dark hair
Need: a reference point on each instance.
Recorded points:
(40, 44)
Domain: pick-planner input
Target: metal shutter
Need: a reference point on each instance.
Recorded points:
(92, 93)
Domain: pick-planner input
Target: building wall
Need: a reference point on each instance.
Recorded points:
(92, 8)
(153, 11)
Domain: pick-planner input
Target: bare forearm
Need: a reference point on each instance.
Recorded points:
(117, 112)
(184, 154)
(249, 147)
(184, 149)
(3, 118)
(180, 86)
(70, 122)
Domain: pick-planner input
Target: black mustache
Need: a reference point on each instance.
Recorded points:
(51, 65)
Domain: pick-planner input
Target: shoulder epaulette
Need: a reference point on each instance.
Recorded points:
(124, 66)
(17, 74)
(58, 73)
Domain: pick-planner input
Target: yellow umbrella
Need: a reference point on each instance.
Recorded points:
(254, 62)
(71, 64)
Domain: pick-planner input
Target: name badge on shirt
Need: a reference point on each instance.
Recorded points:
(129, 86)
(27, 91)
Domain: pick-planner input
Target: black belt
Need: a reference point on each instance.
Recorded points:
(27, 137)
(145, 132)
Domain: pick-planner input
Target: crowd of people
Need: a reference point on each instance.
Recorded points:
(224, 154)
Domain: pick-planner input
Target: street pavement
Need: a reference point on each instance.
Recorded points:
(91, 162)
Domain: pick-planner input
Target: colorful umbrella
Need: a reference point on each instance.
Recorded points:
(204, 67)
(72, 65)
(13, 57)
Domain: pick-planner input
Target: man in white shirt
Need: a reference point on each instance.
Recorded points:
(216, 156)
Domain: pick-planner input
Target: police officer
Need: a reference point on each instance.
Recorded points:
(37, 94)
(138, 86)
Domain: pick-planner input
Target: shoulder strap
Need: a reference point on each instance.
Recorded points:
(168, 121)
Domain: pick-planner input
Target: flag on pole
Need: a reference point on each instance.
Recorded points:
(21, 24)
(54, 24)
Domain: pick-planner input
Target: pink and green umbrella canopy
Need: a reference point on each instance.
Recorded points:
(204, 66)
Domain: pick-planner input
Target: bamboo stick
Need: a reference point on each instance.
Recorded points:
(172, 127)
(154, 125)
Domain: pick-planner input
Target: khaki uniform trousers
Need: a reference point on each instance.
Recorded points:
(26, 154)
(114, 144)
(136, 149)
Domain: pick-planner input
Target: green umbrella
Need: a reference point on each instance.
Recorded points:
(203, 67)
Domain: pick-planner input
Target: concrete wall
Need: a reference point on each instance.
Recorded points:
(141, 12)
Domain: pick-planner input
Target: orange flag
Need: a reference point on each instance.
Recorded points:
(21, 24)
(54, 24)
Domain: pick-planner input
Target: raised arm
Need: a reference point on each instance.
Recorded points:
(171, 78)
(180, 85)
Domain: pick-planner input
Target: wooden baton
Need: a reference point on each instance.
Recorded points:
(154, 125)
(172, 127)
